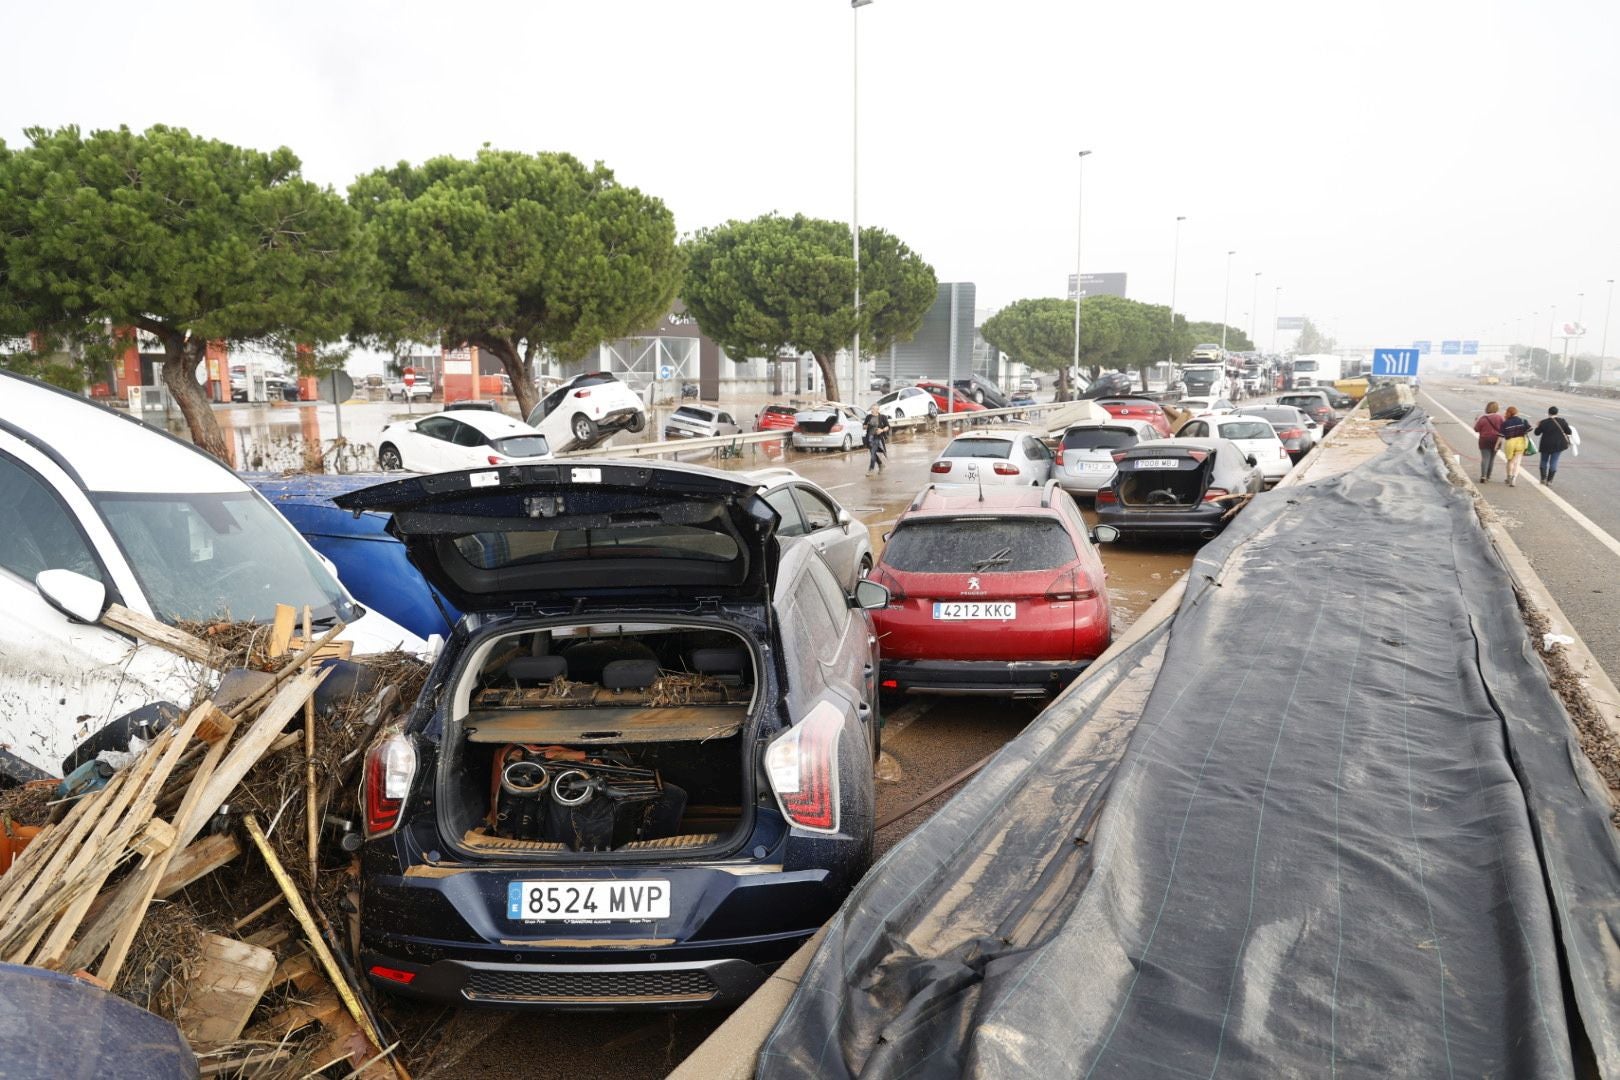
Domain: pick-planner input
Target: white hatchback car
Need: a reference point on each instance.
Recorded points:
(1085, 457)
(587, 410)
(807, 511)
(907, 402)
(1000, 455)
(458, 439)
(1254, 435)
(1204, 406)
(102, 509)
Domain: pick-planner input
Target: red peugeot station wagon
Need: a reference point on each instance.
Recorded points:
(999, 591)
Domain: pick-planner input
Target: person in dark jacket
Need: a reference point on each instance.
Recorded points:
(1515, 440)
(1489, 429)
(1553, 437)
(877, 439)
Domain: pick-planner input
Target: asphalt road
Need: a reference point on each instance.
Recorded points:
(1579, 562)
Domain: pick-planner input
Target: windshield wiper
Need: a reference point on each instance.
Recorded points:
(1000, 557)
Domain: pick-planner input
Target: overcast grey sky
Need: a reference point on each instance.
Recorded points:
(1402, 168)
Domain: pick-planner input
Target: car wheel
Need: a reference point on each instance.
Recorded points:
(933, 410)
(584, 428)
(637, 424)
(388, 458)
(849, 443)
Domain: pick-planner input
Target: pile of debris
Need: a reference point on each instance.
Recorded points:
(209, 876)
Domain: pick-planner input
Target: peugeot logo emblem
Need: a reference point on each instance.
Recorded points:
(973, 584)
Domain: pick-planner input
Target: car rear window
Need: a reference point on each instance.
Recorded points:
(1251, 429)
(593, 379)
(1098, 439)
(978, 448)
(690, 413)
(785, 410)
(495, 550)
(979, 545)
(523, 446)
(1303, 401)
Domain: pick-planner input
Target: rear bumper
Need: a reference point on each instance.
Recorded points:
(1087, 483)
(1192, 521)
(618, 418)
(824, 441)
(987, 678)
(575, 987)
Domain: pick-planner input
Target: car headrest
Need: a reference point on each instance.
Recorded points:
(629, 674)
(719, 661)
(535, 669)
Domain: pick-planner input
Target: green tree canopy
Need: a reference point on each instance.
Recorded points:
(1200, 333)
(1312, 340)
(759, 286)
(517, 253)
(189, 239)
(1116, 334)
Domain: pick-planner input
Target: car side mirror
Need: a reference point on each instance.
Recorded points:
(80, 598)
(1251, 460)
(1104, 534)
(844, 516)
(870, 596)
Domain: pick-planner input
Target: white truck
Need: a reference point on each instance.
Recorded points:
(1317, 369)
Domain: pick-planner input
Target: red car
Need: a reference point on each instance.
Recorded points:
(1138, 408)
(774, 418)
(992, 592)
(942, 397)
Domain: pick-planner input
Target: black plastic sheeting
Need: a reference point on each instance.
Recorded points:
(1350, 834)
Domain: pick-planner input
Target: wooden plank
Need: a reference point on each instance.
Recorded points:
(209, 795)
(237, 1063)
(281, 630)
(297, 967)
(269, 937)
(145, 628)
(231, 979)
(197, 861)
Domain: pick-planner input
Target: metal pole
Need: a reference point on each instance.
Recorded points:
(1552, 325)
(1276, 305)
(1603, 350)
(1254, 311)
(1175, 272)
(1226, 304)
(1079, 215)
(855, 169)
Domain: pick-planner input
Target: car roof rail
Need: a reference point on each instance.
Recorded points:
(1047, 494)
(920, 496)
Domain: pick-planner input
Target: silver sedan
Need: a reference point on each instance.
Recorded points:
(807, 511)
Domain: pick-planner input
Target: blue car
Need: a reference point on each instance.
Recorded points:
(369, 561)
(640, 772)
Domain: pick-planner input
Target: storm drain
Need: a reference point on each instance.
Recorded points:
(582, 986)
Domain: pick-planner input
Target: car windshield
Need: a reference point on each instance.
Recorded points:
(230, 555)
(1098, 438)
(978, 448)
(1199, 378)
(523, 446)
(977, 545)
(1251, 429)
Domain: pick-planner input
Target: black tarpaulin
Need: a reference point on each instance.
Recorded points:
(1349, 833)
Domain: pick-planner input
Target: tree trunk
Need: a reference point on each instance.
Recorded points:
(828, 363)
(519, 368)
(181, 356)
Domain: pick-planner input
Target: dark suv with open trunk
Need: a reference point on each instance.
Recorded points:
(640, 774)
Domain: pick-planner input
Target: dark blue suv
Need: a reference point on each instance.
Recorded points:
(640, 773)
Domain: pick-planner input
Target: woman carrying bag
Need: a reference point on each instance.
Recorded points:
(1515, 440)
(1556, 436)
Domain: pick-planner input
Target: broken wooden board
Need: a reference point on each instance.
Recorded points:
(145, 628)
(233, 976)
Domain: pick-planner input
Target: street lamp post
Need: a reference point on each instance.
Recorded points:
(1552, 327)
(855, 180)
(1254, 311)
(1079, 216)
(1175, 272)
(1276, 306)
(1603, 350)
(1226, 304)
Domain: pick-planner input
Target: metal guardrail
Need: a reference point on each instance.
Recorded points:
(676, 446)
(1014, 412)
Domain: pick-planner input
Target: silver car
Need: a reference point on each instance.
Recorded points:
(832, 425)
(1085, 457)
(700, 422)
(807, 511)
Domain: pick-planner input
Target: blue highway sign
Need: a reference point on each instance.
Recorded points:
(1450, 348)
(1423, 347)
(1395, 362)
(1470, 348)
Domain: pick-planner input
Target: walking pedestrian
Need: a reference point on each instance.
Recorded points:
(877, 439)
(1489, 429)
(1554, 435)
(1515, 440)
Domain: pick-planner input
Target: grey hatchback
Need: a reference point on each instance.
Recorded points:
(640, 773)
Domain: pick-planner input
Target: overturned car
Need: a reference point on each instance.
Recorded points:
(640, 773)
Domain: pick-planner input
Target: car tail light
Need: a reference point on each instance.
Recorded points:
(495, 459)
(837, 427)
(1291, 433)
(1282, 451)
(1215, 493)
(390, 768)
(1118, 456)
(1004, 468)
(1059, 459)
(802, 764)
(890, 684)
(940, 467)
(393, 974)
(1069, 586)
(1106, 495)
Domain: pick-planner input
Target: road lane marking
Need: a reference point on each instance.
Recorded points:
(837, 487)
(1557, 500)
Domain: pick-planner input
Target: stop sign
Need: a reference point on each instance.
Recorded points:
(410, 377)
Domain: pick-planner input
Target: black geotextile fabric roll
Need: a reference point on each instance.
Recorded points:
(1352, 834)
